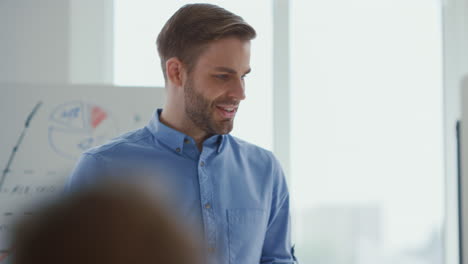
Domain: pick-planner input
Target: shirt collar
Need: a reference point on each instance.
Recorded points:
(175, 139)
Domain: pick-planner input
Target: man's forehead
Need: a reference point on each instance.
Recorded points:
(226, 47)
(227, 55)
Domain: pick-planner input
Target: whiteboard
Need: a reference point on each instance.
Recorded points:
(69, 119)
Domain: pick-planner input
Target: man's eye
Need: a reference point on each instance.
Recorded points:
(222, 76)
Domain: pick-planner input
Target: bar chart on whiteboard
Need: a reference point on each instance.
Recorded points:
(44, 131)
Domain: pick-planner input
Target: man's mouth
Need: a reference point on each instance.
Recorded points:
(227, 111)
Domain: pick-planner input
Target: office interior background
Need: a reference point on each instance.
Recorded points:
(357, 98)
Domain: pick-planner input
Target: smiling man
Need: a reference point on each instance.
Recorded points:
(232, 192)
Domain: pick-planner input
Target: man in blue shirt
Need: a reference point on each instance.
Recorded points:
(232, 191)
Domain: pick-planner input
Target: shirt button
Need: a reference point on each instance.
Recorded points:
(202, 163)
(207, 206)
(177, 149)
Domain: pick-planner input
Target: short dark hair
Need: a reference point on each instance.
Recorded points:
(113, 224)
(187, 32)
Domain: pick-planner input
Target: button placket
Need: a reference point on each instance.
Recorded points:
(206, 194)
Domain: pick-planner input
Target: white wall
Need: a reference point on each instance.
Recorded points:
(34, 41)
(56, 41)
(91, 41)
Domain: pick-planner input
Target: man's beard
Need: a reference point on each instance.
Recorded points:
(201, 111)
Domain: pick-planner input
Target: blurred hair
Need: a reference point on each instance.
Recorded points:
(111, 223)
(187, 32)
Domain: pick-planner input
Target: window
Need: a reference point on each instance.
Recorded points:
(367, 154)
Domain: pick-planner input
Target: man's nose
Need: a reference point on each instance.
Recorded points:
(238, 90)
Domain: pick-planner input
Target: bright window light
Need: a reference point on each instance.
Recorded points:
(367, 153)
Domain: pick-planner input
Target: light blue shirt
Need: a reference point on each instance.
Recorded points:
(235, 192)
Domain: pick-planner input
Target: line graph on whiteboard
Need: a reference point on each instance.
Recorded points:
(77, 126)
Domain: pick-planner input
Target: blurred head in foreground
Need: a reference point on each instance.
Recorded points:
(106, 224)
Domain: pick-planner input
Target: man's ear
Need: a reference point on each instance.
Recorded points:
(175, 71)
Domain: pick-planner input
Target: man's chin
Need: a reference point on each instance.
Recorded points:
(225, 127)
(223, 131)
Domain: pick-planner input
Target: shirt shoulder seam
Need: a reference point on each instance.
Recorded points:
(120, 142)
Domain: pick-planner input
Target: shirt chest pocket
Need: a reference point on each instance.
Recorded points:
(246, 233)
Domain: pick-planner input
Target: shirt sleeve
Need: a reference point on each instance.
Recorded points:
(88, 169)
(277, 246)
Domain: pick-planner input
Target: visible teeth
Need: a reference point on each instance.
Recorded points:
(229, 109)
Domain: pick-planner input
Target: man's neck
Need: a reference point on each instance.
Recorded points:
(185, 126)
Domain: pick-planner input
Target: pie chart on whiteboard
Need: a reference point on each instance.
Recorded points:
(77, 126)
